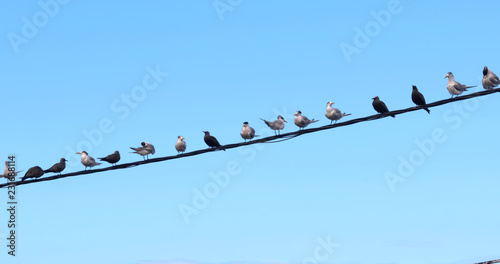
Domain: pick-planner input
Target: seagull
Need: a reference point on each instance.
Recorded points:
(247, 132)
(490, 80)
(146, 149)
(418, 98)
(112, 158)
(380, 106)
(333, 114)
(180, 145)
(454, 87)
(58, 167)
(87, 160)
(278, 124)
(302, 121)
(211, 140)
(33, 172)
(6, 172)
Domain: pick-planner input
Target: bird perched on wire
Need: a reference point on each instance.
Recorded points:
(454, 87)
(87, 160)
(180, 145)
(33, 172)
(146, 149)
(490, 80)
(302, 121)
(380, 106)
(112, 158)
(276, 125)
(211, 140)
(333, 114)
(58, 167)
(418, 98)
(247, 132)
(6, 172)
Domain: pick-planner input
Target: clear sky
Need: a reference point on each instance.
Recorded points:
(102, 76)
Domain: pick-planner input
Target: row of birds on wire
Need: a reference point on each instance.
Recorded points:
(490, 81)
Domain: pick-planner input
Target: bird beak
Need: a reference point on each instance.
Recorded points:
(285, 121)
(78, 153)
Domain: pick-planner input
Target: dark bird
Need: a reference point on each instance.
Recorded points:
(58, 167)
(490, 80)
(418, 98)
(33, 172)
(112, 158)
(211, 140)
(379, 106)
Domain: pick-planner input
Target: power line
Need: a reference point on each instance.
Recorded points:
(271, 139)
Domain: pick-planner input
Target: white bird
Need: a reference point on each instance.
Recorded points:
(87, 160)
(302, 121)
(490, 80)
(333, 114)
(146, 149)
(180, 145)
(247, 132)
(454, 87)
(278, 124)
(6, 172)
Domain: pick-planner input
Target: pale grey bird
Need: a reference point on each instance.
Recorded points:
(247, 132)
(380, 106)
(333, 114)
(454, 87)
(33, 172)
(180, 145)
(58, 167)
(6, 172)
(146, 149)
(276, 125)
(112, 158)
(87, 160)
(302, 121)
(490, 80)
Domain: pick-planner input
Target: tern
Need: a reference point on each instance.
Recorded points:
(146, 149)
(112, 158)
(58, 167)
(180, 145)
(302, 121)
(276, 125)
(380, 106)
(333, 114)
(247, 132)
(87, 160)
(490, 80)
(33, 172)
(6, 172)
(454, 87)
(211, 140)
(418, 98)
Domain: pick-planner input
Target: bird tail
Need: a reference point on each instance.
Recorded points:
(467, 87)
(427, 109)
(314, 121)
(393, 115)
(267, 122)
(45, 171)
(344, 114)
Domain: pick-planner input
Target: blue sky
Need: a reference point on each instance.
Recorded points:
(105, 76)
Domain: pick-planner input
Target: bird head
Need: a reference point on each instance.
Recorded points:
(143, 144)
(245, 124)
(116, 152)
(449, 75)
(485, 70)
(375, 98)
(83, 152)
(206, 132)
(281, 118)
(414, 87)
(298, 113)
(63, 160)
(180, 138)
(330, 103)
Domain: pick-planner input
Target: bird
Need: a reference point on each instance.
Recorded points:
(454, 87)
(211, 140)
(302, 121)
(247, 132)
(6, 172)
(33, 172)
(112, 158)
(276, 125)
(333, 114)
(58, 167)
(490, 80)
(380, 106)
(418, 98)
(87, 160)
(146, 149)
(180, 145)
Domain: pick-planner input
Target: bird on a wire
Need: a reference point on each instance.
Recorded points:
(333, 114)
(146, 149)
(87, 160)
(380, 106)
(112, 158)
(180, 145)
(302, 121)
(418, 98)
(211, 141)
(247, 132)
(58, 167)
(33, 172)
(454, 87)
(276, 125)
(490, 80)
(6, 172)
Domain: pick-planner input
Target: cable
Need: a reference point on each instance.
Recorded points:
(271, 139)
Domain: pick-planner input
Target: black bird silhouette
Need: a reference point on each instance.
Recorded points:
(211, 140)
(379, 106)
(418, 98)
(112, 158)
(33, 172)
(58, 167)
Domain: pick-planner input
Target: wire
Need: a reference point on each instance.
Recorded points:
(271, 139)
